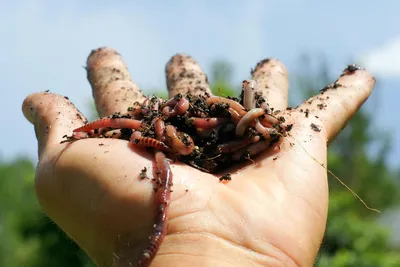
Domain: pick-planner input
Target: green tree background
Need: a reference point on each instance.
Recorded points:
(354, 235)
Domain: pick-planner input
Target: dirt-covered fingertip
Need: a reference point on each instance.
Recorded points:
(337, 102)
(185, 75)
(354, 75)
(113, 88)
(99, 55)
(53, 117)
(273, 83)
(28, 109)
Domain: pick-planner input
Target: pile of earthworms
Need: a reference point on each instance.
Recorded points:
(207, 132)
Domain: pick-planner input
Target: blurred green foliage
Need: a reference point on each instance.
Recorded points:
(353, 236)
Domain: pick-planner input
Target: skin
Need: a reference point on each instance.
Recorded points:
(272, 213)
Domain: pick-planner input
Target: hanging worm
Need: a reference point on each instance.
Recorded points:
(162, 199)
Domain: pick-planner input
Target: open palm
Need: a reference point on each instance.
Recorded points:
(272, 213)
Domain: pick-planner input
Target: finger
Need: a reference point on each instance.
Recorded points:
(112, 85)
(337, 103)
(53, 116)
(184, 75)
(272, 78)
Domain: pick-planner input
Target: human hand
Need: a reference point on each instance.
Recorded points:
(272, 212)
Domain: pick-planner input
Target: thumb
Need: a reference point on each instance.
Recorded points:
(53, 116)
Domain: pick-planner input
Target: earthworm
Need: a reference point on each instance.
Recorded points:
(185, 147)
(235, 145)
(172, 101)
(179, 103)
(181, 107)
(249, 101)
(98, 132)
(138, 139)
(135, 111)
(145, 108)
(268, 120)
(110, 122)
(248, 119)
(159, 129)
(251, 150)
(163, 196)
(265, 131)
(232, 104)
(235, 116)
(166, 111)
(206, 123)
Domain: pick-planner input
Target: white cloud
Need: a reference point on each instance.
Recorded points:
(384, 61)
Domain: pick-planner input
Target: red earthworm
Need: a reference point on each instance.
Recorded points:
(155, 103)
(248, 119)
(232, 104)
(249, 101)
(145, 108)
(251, 150)
(235, 116)
(93, 133)
(159, 129)
(180, 107)
(166, 111)
(265, 131)
(172, 101)
(138, 139)
(268, 120)
(206, 123)
(235, 145)
(162, 199)
(135, 112)
(174, 139)
(110, 122)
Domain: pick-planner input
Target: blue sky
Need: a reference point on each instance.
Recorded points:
(46, 43)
